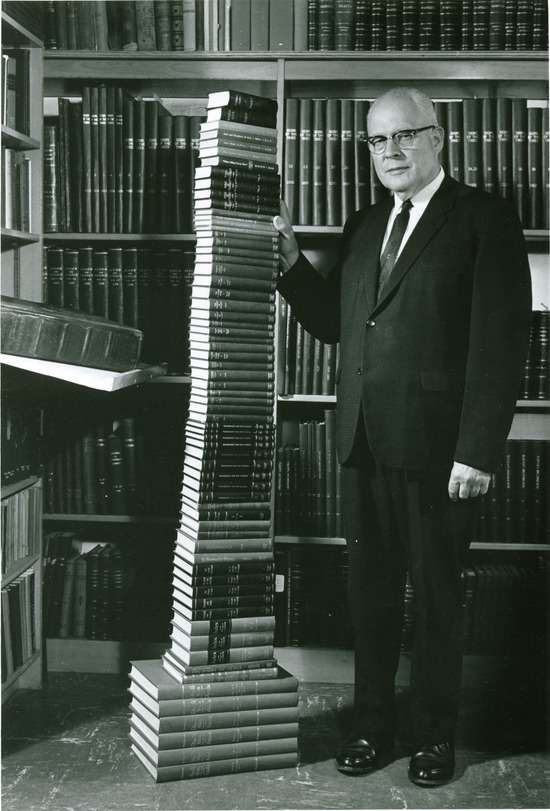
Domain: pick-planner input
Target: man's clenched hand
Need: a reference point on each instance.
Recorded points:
(467, 482)
(288, 245)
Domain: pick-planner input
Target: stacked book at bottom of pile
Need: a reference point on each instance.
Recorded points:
(203, 727)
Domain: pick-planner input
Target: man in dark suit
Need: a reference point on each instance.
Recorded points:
(430, 301)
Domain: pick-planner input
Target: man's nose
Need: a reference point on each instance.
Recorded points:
(390, 148)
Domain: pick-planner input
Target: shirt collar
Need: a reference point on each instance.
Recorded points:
(425, 194)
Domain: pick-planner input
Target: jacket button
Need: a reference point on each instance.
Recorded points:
(370, 323)
(359, 371)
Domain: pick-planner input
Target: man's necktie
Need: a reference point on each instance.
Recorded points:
(389, 254)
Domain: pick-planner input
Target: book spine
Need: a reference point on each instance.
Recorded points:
(472, 142)
(346, 158)
(504, 147)
(519, 158)
(489, 138)
(332, 173)
(361, 161)
(534, 167)
(305, 165)
(455, 140)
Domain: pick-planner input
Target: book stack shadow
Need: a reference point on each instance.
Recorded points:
(217, 702)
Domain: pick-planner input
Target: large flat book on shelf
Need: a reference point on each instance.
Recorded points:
(52, 333)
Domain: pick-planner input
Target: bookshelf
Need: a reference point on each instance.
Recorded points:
(182, 81)
(21, 493)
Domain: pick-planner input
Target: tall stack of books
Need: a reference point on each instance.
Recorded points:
(219, 674)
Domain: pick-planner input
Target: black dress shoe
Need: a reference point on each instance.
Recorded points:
(432, 765)
(360, 756)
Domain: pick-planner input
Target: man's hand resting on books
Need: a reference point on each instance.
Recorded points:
(467, 482)
(288, 245)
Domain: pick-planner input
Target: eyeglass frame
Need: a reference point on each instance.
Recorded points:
(414, 132)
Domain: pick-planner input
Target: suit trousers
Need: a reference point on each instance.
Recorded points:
(398, 521)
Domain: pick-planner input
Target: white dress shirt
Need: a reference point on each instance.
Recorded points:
(419, 202)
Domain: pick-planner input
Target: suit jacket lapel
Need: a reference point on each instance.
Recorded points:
(433, 218)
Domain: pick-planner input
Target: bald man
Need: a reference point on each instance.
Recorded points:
(430, 301)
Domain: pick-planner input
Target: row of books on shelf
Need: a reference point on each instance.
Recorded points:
(17, 190)
(140, 287)
(496, 144)
(95, 590)
(212, 726)
(20, 622)
(299, 25)
(114, 465)
(515, 509)
(308, 500)
(308, 496)
(427, 25)
(118, 164)
(19, 440)
(503, 603)
(307, 365)
(21, 525)
(14, 104)
(87, 596)
(535, 384)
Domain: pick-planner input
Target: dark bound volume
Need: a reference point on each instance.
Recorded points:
(305, 169)
(291, 159)
(51, 333)
(534, 161)
(545, 139)
(343, 24)
(472, 145)
(504, 147)
(346, 158)
(488, 145)
(519, 157)
(333, 162)
(319, 160)
(454, 140)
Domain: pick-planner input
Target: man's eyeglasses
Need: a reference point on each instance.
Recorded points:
(404, 139)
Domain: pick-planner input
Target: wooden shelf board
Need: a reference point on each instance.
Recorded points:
(536, 234)
(327, 399)
(11, 238)
(86, 237)
(100, 379)
(168, 66)
(96, 518)
(11, 680)
(98, 655)
(530, 234)
(418, 65)
(18, 34)
(535, 404)
(10, 489)
(318, 230)
(503, 546)
(18, 567)
(538, 405)
(306, 540)
(175, 380)
(301, 56)
(17, 140)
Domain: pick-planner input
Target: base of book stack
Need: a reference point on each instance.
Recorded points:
(217, 702)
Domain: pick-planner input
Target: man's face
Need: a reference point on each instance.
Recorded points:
(404, 171)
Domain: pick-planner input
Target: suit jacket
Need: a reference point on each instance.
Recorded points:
(436, 363)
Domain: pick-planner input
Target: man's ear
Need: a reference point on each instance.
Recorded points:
(438, 136)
